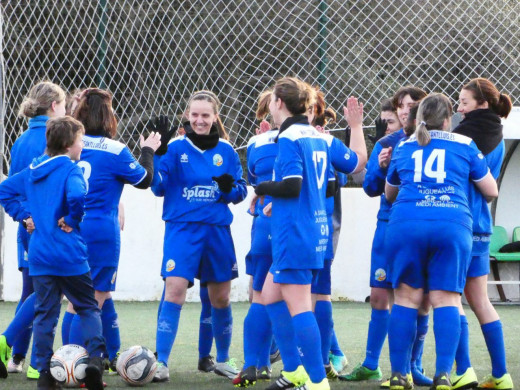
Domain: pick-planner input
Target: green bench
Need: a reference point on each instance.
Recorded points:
(498, 240)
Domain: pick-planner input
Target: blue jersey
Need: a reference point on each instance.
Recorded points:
(107, 165)
(54, 188)
(434, 179)
(261, 154)
(184, 178)
(300, 228)
(374, 182)
(482, 223)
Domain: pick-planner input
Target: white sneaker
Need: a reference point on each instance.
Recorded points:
(14, 368)
(228, 369)
(162, 374)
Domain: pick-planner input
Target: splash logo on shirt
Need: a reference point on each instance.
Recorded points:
(380, 275)
(217, 160)
(184, 158)
(200, 193)
(170, 265)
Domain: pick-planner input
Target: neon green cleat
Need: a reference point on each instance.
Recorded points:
(468, 380)
(323, 385)
(290, 379)
(385, 384)
(503, 383)
(400, 382)
(5, 355)
(361, 373)
(32, 373)
(441, 382)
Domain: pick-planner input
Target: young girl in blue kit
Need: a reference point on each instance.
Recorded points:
(199, 175)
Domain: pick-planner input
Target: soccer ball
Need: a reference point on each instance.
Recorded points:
(68, 365)
(137, 365)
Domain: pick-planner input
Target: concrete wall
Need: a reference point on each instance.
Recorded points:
(142, 241)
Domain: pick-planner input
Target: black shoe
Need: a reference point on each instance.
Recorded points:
(47, 382)
(441, 382)
(94, 373)
(245, 378)
(206, 364)
(264, 373)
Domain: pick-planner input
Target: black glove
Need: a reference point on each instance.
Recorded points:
(161, 125)
(348, 130)
(225, 182)
(381, 127)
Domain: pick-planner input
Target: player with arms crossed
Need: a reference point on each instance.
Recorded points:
(429, 234)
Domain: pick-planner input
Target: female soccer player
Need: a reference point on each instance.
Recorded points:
(262, 150)
(429, 233)
(482, 106)
(299, 234)
(380, 294)
(198, 176)
(107, 165)
(45, 100)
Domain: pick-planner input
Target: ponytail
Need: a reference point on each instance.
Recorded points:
(504, 106)
(433, 110)
(40, 98)
(484, 90)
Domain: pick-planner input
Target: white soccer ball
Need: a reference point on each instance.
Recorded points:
(68, 365)
(137, 365)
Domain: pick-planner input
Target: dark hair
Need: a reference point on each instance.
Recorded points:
(409, 129)
(387, 105)
(484, 90)
(61, 134)
(322, 113)
(297, 95)
(210, 97)
(40, 98)
(433, 110)
(94, 110)
(415, 93)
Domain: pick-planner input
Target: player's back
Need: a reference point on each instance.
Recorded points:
(434, 179)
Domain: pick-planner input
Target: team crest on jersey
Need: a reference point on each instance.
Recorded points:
(347, 156)
(133, 165)
(217, 160)
(380, 275)
(170, 265)
(481, 156)
(113, 278)
(184, 158)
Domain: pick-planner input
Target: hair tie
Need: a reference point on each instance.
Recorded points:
(423, 123)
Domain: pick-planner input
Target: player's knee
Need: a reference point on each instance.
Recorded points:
(379, 299)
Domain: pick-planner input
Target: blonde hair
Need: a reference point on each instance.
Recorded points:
(264, 99)
(40, 99)
(210, 97)
(433, 110)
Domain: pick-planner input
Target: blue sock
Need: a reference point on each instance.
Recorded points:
(76, 333)
(377, 331)
(167, 326)
(494, 337)
(65, 327)
(22, 320)
(161, 303)
(418, 345)
(257, 336)
(274, 347)
(205, 324)
(323, 313)
(334, 345)
(402, 327)
(308, 339)
(110, 328)
(222, 331)
(283, 332)
(446, 327)
(462, 355)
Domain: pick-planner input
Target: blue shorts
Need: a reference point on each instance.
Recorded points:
(433, 255)
(321, 283)
(258, 267)
(479, 265)
(379, 258)
(293, 276)
(261, 235)
(104, 278)
(199, 250)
